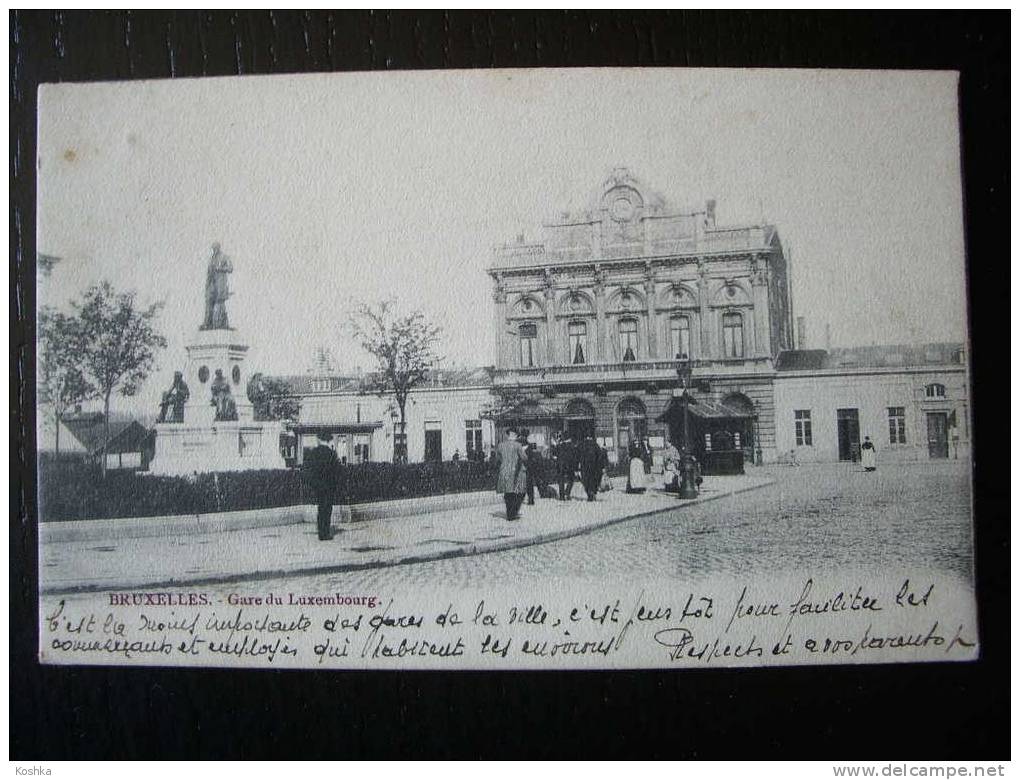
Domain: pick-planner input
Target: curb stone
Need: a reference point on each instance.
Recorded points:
(380, 563)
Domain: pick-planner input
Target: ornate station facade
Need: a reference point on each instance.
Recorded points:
(589, 322)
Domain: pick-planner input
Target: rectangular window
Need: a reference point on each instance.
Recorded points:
(897, 425)
(680, 336)
(802, 427)
(576, 333)
(733, 336)
(529, 335)
(473, 435)
(628, 340)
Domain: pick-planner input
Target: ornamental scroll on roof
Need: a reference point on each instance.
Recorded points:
(625, 219)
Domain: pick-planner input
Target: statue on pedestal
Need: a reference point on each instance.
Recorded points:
(226, 407)
(173, 400)
(217, 291)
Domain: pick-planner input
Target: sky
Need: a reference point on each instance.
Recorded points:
(331, 189)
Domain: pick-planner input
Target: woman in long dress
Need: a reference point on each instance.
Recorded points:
(670, 469)
(868, 454)
(636, 471)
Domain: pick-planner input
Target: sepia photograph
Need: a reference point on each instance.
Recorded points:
(606, 368)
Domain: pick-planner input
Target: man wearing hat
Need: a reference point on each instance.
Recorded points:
(320, 472)
(511, 476)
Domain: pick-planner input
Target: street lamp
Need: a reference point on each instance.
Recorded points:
(756, 430)
(688, 473)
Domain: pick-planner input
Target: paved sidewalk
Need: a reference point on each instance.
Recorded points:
(261, 553)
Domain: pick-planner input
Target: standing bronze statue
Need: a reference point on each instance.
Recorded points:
(217, 290)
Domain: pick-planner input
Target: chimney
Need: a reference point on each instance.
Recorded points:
(801, 333)
(828, 337)
(710, 213)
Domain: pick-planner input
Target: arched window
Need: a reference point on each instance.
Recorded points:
(529, 336)
(935, 390)
(733, 335)
(679, 336)
(576, 335)
(628, 339)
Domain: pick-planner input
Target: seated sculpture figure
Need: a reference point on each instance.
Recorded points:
(222, 399)
(171, 405)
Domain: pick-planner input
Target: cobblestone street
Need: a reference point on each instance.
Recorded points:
(824, 517)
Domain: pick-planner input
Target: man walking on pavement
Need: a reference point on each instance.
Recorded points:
(511, 476)
(566, 465)
(321, 474)
(592, 459)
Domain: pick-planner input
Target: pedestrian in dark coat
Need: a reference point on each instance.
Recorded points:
(566, 467)
(592, 461)
(646, 456)
(530, 458)
(511, 473)
(320, 471)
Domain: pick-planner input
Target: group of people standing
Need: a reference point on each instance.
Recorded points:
(522, 470)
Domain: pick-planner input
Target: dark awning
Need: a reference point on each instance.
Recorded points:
(705, 409)
(528, 411)
(710, 410)
(335, 427)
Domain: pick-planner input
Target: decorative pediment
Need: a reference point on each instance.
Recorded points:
(528, 306)
(678, 296)
(731, 293)
(627, 299)
(576, 302)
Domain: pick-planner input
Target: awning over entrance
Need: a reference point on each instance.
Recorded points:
(529, 411)
(712, 410)
(705, 409)
(336, 427)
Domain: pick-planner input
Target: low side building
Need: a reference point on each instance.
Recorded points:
(82, 436)
(444, 417)
(912, 401)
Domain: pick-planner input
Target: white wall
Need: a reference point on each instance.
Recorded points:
(871, 393)
(449, 408)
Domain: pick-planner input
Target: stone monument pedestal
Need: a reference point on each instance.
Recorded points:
(183, 449)
(201, 443)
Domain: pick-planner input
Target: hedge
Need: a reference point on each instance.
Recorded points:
(70, 489)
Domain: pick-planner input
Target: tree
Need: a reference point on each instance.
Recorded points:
(119, 342)
(61, 385)
(404, 348)
(272, 398)
(503, 398)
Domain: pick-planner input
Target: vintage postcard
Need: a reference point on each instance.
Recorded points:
(530, 369)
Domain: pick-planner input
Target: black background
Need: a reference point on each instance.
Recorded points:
(916, 711)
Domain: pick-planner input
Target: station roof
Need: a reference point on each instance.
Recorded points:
(874, 356)
(308, 384)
